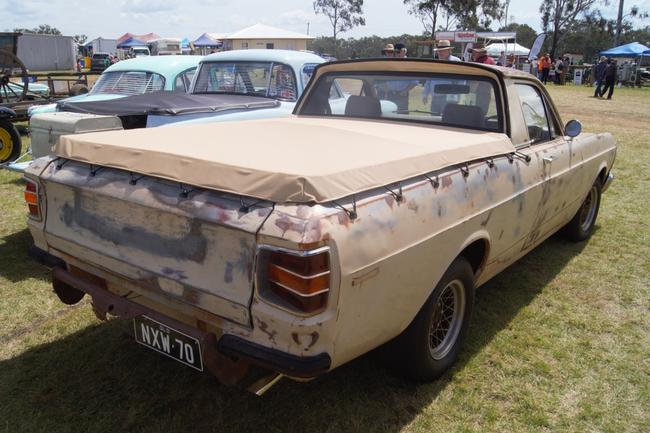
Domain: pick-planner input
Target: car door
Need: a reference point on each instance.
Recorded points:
(550, 156)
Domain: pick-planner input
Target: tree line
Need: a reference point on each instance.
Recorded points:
(572, 26)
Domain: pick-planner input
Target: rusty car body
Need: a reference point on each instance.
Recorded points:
(321, 236)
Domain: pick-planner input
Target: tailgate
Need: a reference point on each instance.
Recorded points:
(198, 247)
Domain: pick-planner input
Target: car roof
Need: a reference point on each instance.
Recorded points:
(167, 66)
(293, 58)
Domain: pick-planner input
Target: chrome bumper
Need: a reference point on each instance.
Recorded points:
(608, 182)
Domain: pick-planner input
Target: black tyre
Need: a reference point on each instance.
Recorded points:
(583, 223)
(431, 343)
(10, 144)
(78, 89)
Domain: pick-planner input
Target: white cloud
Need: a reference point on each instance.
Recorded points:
(148, 6)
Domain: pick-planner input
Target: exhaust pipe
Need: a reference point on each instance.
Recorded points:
(264, 384)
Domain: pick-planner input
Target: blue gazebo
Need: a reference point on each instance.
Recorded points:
(633, 49)
(131, 42)
(205, 43)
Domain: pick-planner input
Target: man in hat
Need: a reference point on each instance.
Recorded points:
(444, 51)
(388, 51)
(599, 75)
(479, 55)
(438, 101)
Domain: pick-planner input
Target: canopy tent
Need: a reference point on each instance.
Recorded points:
(146, 38)
(633, 49)
(496, 48)
(206, 40)
(131, 42)
(185, 43)
(646, 53)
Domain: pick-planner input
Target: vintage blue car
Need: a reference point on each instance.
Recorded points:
(232, 85)
(135, 77)
(278, 74)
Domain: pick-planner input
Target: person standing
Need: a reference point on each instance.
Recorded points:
(545, 65)
(559, 71)
(388, 51)
(444, 50)
(438, 101)
(479, 55)
(610, 79)
(400, 50)
(599, 75)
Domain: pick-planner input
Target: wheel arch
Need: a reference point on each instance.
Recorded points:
(476, 250)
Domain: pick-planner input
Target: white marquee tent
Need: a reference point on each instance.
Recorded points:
(495, 49)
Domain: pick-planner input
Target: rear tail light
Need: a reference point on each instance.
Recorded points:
(299, 279)
(32, 199)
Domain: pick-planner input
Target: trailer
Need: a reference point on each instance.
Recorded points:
(100, 45)
(47, 52)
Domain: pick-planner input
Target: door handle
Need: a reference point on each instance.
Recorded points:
(548, 159)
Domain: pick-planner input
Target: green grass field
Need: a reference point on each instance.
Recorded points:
(560, 342)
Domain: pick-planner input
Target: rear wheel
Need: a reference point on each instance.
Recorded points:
(431, 343)
(583, 223)
(10, 144)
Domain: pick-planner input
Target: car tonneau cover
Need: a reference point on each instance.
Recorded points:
(169, 103)
(271, 160)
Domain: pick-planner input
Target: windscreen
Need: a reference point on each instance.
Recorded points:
(269, 79)
(446, 99)
(128, 83)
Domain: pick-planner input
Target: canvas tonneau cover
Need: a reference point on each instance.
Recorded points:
(288, 160)
(169, 103)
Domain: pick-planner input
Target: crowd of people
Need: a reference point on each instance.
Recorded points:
(604, 78)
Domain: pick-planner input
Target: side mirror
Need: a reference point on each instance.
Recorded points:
(573, 128)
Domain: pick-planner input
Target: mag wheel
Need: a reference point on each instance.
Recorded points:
(583, 223)
(431, 343)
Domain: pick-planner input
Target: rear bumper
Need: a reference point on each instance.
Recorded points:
(227, 358)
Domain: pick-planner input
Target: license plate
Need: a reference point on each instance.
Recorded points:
(168, 341)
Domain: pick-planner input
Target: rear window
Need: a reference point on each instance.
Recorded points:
(445, 99)
(128, 83)
(274, 80)
(100, 56)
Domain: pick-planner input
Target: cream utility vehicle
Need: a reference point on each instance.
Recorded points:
(288, 247)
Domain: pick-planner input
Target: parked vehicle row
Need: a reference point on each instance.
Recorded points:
(292, 245)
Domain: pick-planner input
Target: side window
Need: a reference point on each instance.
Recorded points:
(183, 80)
(283, 84)
(532, 106)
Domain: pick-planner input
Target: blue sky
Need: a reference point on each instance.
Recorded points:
(175, 18)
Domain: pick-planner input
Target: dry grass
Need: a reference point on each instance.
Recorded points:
(559, 342)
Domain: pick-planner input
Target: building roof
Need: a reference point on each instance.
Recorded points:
(262, 31)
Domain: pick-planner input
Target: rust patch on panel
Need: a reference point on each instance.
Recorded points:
(189, 246)
(265, 329)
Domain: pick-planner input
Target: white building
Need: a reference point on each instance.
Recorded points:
(263, 36)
